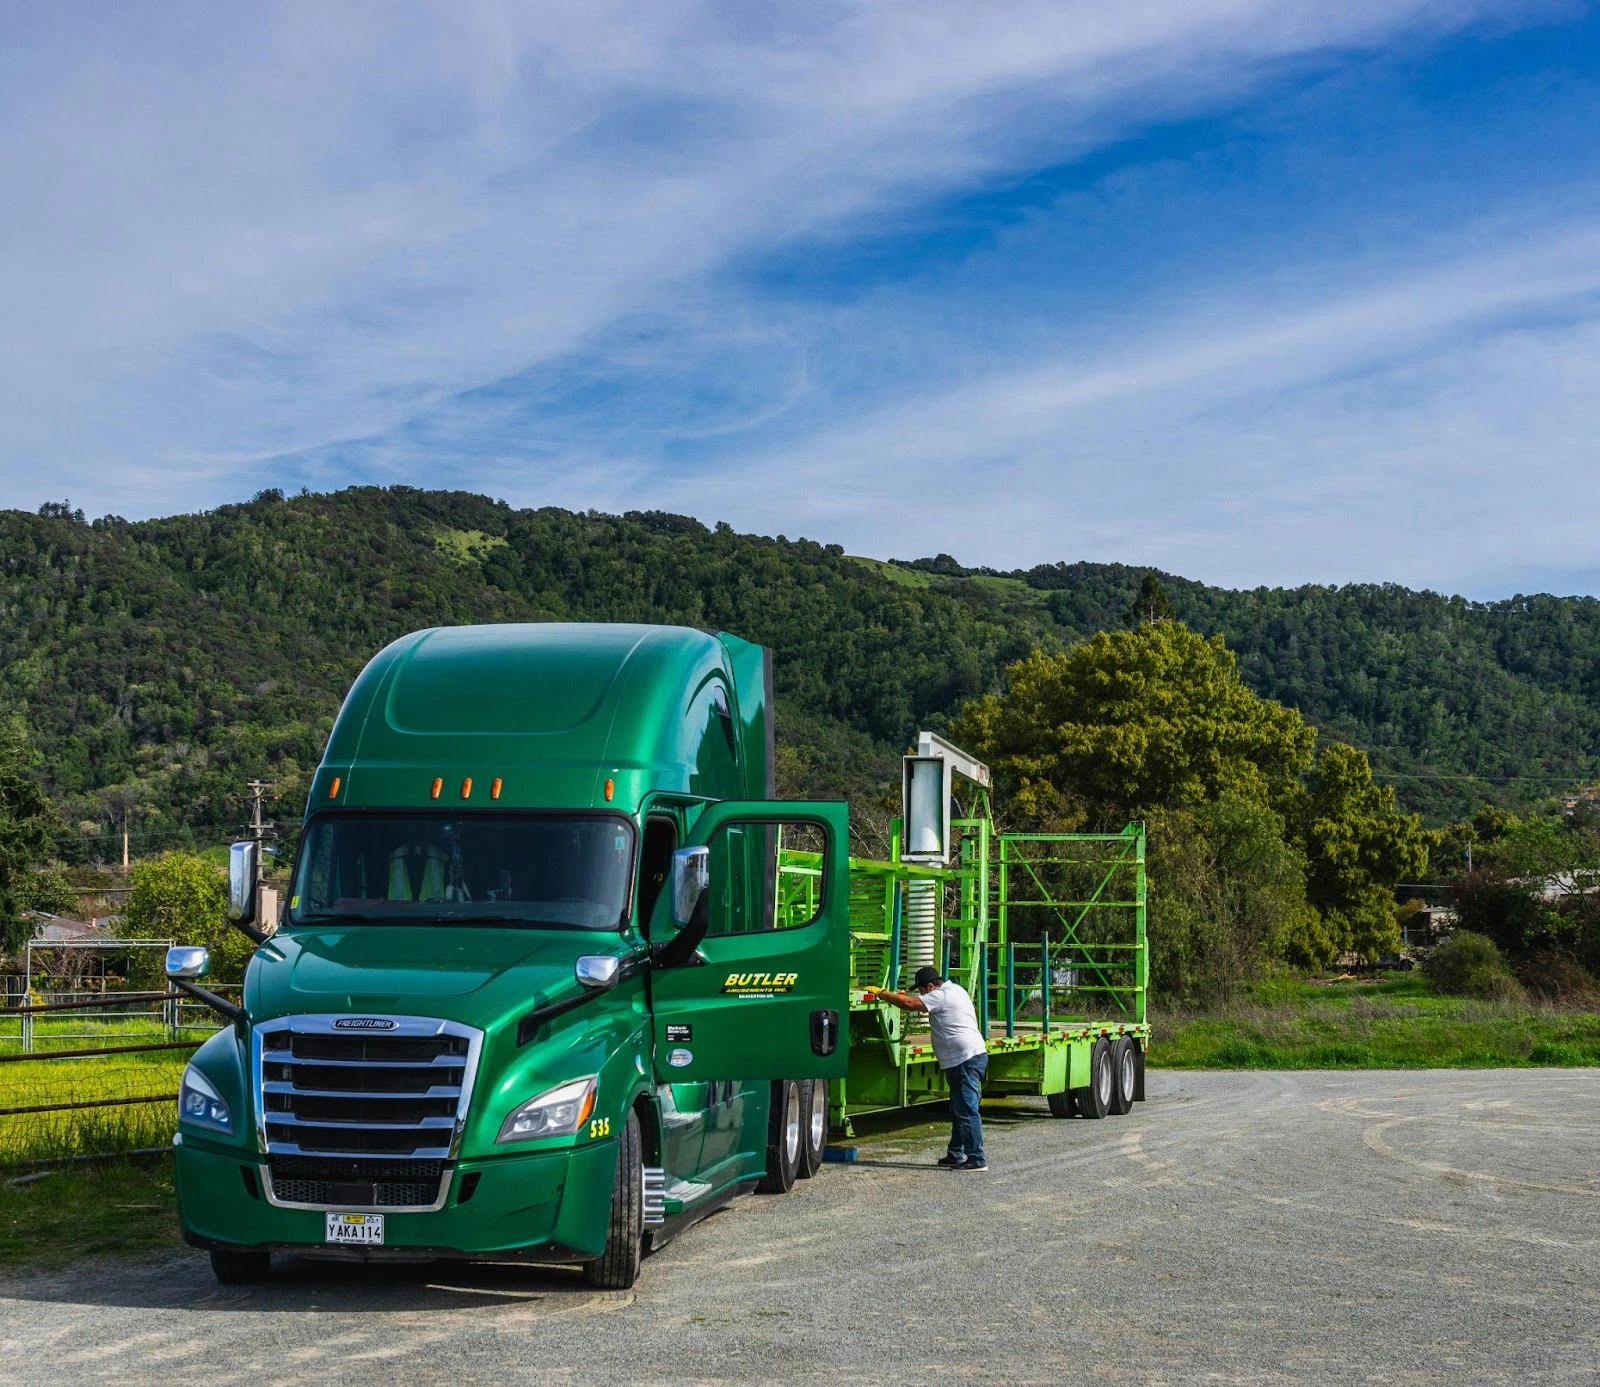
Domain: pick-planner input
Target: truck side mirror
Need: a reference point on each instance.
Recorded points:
(597, 970)
(243, 864)
(691, 875)
(188, 961)
(691, 879)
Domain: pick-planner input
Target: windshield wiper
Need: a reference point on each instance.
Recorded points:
(331, 916)
(469, 915)
(460, 919)
(443, 918)
(334, 917)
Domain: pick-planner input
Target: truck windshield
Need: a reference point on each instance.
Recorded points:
(516, 869)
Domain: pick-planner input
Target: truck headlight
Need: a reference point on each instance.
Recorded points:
(557, 1112)
(200, 1105)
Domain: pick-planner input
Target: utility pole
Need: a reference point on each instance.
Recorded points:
(258, 789)
(266, 911)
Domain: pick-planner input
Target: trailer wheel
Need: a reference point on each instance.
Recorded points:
(1095, 1101)
(240, 1266)
(1061, 1104)
(617, 1267)
(1123, 1075)
(813, 1126)
(783, 1139)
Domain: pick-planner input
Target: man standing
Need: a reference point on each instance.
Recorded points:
(959, 1047)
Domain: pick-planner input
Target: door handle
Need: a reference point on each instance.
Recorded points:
(824, 1032)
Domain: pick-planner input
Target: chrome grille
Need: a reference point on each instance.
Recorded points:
(398, 1088)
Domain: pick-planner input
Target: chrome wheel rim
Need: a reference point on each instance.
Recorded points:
(819, 1115)
(1104, 1084)
(791, 1132)
(1127, 1074)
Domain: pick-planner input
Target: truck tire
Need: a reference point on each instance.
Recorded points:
(813, 1126)
(1123, 1075)
(1061, 1104)
(240, 1266)
(617, 1267)
(783, 1139)
(1095, 1101)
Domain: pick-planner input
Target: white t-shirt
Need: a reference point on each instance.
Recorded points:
(954, 1023)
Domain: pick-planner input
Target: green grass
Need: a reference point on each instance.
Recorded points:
(84, 1131)
(112, 1208)
(906, 577)
(466, 546)
(1393, 1023)
(34, 1083)
(87, 1031)
(1009, 591)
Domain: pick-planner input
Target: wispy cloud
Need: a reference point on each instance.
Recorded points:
(505, 246)
(1403, 431)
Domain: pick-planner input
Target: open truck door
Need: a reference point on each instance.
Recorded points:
(751, 943)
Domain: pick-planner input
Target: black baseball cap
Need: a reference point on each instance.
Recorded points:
(927, 976)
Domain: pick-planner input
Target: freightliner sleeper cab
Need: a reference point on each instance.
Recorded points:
(531, 997)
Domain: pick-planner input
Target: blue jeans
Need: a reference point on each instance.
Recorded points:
(966, 1127)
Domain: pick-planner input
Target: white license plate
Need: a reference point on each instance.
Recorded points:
(365, 1230)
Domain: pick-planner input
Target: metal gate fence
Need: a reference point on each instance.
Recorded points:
(84, 1075)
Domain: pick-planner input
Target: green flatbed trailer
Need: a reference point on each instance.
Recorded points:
(1046, 932)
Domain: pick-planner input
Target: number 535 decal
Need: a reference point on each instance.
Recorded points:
(600, 1127)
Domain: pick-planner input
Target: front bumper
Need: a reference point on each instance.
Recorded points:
(550, 1206)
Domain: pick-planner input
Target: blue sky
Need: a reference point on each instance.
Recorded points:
(1254, 292)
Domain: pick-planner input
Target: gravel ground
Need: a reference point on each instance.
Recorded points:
(1345, 1227)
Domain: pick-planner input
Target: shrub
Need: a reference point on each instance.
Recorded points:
(1469, 965)
(1247, 1054)
(45, 890)
(1560, 1052)
(1560, 978)
(182, 897)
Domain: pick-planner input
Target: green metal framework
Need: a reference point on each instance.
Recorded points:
(1065, 901)
(1046, 931)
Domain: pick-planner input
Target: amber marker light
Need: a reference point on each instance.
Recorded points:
(466, 788)
(611, 789)
(494, 788)
(333, 790)
(438, 784)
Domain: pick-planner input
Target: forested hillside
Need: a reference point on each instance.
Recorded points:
(1455, 701)
(159, 664)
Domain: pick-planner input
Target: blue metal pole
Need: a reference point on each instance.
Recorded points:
(1011, 989)
(1044, 980)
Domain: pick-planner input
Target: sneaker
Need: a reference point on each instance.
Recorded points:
(973, 1163)
(951, 1162)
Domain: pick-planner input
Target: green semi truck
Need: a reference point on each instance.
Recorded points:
(557, 975)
